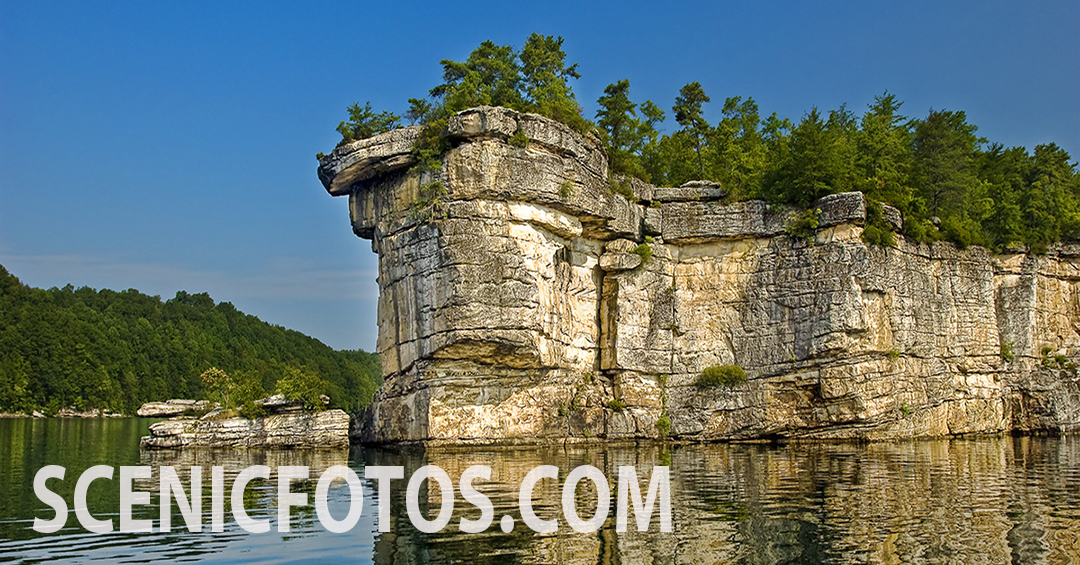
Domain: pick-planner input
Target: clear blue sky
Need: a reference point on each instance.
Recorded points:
(170, 145)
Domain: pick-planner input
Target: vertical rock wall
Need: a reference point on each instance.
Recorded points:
(517, 304)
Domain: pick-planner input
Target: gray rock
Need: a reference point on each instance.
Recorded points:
(846, 207)
(693, 191)
(654, 220)
(329, 428)
(619, 261)
(893, 217)
(702, 221)
(174, 407)
(516, 312)
(351, 163)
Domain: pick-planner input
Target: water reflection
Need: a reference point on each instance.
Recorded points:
(953, 501)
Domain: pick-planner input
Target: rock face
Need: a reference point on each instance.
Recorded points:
(173, 407)
(329, 428)
(522, 306)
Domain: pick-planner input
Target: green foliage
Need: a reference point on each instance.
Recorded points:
(687, 111)
(519, 139)
(893, 354)
(117, 350)
(804, 226)
(905, 410)
(431, 198)
(250, 410)
(1006, 349)
(420, 111)
(644, 250)
(877, 231)
(616, 405)
(946, 181)
(364, 122)
(663, 425)
(219, 386)
(721, 375)
(303, 386)
(623, 133)
(621, 185)
(536, 79)
(819, 160)
(566, 190)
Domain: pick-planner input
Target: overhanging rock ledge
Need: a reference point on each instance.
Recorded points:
(518, 306)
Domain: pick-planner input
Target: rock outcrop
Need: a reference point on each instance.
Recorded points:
(329, 428)
(530, 302)
(286, 424)
(174, 407)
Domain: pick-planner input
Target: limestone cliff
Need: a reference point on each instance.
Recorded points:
(518, 306)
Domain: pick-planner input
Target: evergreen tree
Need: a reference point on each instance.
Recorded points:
(491, 76)
(687, 111)
(623, 133)
(884, 153)
(818, 160)
(544, 80)
(364, 122)
(738, 153)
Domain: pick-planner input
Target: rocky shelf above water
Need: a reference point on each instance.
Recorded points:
(287, 425)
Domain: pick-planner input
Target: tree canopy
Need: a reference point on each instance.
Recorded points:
(105, 349)
(948, 182)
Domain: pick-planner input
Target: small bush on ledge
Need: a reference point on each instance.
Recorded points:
(804, 226)
(721, 375)
(644, 250)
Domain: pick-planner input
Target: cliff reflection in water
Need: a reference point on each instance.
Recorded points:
(992, 500)
(951, 501)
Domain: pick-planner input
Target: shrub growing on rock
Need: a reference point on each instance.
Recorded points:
(721, 375)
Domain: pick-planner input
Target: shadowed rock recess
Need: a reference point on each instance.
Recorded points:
(520, 306)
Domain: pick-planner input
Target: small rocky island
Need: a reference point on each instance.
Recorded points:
(286, 424)
(525, 295)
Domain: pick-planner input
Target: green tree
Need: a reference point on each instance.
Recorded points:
(364, 122)
(544, 81)
(1006, 172)
(884, 153)
(687, 111)
(219, 385)
(420, 111)
(624, 134)
(739, 156)
(944, 151)
(303, 386)
(818, 160)
(490, 76)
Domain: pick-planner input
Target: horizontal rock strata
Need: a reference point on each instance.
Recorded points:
(329, 428)
(174, 407)
(539, 300)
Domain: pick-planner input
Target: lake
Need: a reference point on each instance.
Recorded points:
(985, 500)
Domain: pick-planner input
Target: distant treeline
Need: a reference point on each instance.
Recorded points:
(116, 350)
(948, 182)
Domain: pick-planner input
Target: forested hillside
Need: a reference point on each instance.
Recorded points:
(949, 182)
(105, 349)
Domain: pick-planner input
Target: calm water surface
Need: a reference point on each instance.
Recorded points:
(997, 500)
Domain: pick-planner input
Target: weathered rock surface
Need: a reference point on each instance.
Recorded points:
(516, 311)
(71, 412)
(329, 428)
(173, 407)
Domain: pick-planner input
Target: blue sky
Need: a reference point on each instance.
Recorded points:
(167, 146)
